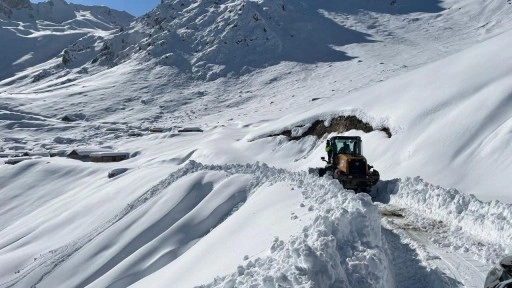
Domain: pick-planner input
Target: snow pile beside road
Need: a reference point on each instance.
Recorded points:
(484, 228)
(343, 246)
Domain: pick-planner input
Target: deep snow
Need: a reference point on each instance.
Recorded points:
(231, 206)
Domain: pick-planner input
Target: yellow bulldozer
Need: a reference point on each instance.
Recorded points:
(347, 164)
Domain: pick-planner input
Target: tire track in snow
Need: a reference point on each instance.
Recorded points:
(470, 272)
(407, 269)
(454, 269)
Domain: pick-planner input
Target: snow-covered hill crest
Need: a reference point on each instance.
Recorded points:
(216, 38)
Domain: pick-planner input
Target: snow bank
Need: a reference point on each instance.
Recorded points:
(341, 248)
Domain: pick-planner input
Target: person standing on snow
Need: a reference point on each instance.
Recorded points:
(328, 149)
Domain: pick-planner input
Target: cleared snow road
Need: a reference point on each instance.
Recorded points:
(412, 241)
(458, 266)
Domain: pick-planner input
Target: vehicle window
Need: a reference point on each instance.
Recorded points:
(344, 146)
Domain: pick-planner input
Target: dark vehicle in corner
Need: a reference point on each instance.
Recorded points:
(348, 164)
(501, 275)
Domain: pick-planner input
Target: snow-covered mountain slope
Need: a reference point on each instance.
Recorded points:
(7, 6)
(457, 120)
(139, 92)
(211, 39)
(33, 34)
(234, 205)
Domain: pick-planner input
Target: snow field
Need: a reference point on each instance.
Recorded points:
(41, 209)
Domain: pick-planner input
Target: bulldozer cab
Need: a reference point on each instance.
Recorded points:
(347, 151)
(351, 145)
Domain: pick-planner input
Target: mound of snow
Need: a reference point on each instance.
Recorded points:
(341, 247)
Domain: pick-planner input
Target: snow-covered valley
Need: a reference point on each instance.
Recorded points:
(237, 204)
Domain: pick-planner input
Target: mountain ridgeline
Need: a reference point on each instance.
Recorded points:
(209, 39)
(205, 39)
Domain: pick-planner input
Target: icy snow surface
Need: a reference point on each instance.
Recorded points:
(232, 204)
